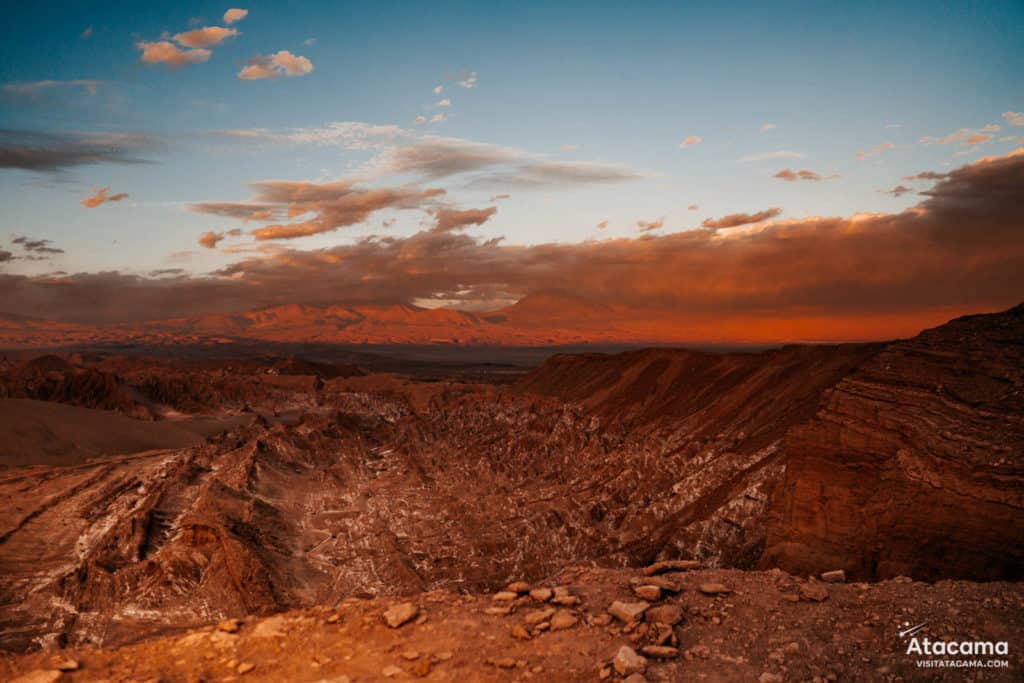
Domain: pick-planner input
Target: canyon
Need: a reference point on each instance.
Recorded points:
(282, 485)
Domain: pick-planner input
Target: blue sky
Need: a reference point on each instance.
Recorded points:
(619, 84)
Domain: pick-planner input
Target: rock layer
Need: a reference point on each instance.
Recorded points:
(914, 464)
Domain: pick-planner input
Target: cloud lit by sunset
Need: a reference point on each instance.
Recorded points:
(279, 159)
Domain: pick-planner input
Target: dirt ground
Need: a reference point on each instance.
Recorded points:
(731, 626)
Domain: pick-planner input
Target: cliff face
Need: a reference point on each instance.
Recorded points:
(915, 463)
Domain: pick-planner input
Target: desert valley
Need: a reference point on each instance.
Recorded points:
(759, 511)
(360, 341)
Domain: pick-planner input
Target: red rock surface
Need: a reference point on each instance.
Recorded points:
(914, 464)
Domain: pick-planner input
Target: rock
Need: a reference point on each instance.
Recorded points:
(504, 596)
(397, 615)
(498, 611)
(520, 633)
(834, 576)
(565, 600)
(664, 614)
(628, 662)
(410, 655)
(915, 428)
(541, 594)
(229, 625)
(647, 592)
(563, 619)
(671, 566)
(517, 587)
(628, 611)
(270, 628)
(538, 616)
(245, 667)
(422, 668)
(714, 589)
(390, 671)
(502, 663)
(67, 664)
(663, 582)
(635, 678)
(813, 592)
(768, 677)
(660, 651)
(39, 676)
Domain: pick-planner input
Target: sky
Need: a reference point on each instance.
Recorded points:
(465, 154)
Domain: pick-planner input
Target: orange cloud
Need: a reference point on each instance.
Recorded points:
(333, 205)
(690, 141)
(964, 137)
(100, 197)
(957, 250)
(210, 239)
(234, 15)
(208, 36)
(647, 226)
(803, 174)
(454, 219)
(169, 54)
(876, 150)
(734, 220)
(282, 63)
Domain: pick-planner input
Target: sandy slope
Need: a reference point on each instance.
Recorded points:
(44, 433)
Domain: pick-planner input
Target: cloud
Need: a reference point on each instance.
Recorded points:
(454, 219)
(169, 54)
(6, 256)
(281, 63)
(867, 275)
(210, 239)
(53, 152)
(690, 141)
(1014, 118)
(405, 151)
(964, 137)
(464, 79)
(309, 42)
(35, 88)
(100, 197)
(767, 127)
(803, 174)
(86, 33)
(499, 196)
(602, 225)
(693, 207)
(778, 154)
(438, 118)
(167, 272)
(444, 103)
(36, 246)
(330, 205)
(899, 191)
(235, 15)
(647, 226)
(438, 89)
(208, 36)
(569, 148)
(875, 151)
(435, 157)
(734, 220)
(925, 175)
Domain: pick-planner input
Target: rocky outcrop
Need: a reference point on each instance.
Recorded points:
(915, 463)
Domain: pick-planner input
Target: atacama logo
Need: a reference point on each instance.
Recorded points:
(951, 653)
